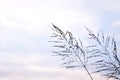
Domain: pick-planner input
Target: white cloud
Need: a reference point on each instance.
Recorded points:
(35, 16)
(37, 66)
(47, 73)
(111, 5)
(21, 21)
(25, 26)
(116, 24)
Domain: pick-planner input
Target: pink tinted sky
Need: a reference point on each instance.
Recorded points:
(25, 28)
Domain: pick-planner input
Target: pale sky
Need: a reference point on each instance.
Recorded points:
(25, 29)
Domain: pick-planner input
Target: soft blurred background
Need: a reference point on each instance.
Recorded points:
(25, 29)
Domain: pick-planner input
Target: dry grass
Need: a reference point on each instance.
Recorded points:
(75, 54)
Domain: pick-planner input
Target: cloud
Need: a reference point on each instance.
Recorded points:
(25, 29)
(116, 23)
(37, 66)
(111, 5)
(13, 39)
(46, 73)
(58, 12)
(25, 25)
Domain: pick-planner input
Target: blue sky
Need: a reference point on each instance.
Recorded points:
(25, 29)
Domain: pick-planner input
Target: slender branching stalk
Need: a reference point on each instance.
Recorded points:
(71, 51)
(102, 50)
(107, 56)
(107, 60)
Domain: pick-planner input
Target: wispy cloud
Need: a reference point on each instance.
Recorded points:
(25, 31)
(110, 5)
(19, 66)
(116, 24)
